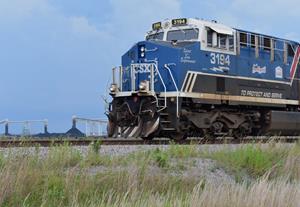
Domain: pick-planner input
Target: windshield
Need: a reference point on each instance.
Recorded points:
(156, 36)
(186, 34)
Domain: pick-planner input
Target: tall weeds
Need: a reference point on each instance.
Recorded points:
(62, 178)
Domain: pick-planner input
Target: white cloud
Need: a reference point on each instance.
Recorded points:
(81, 26)
(292, 36)
(141, 11)
(131, 19)
(14, 12)
(65, 55)
(136, 14)
(268, 8)
(17, 10)
(273, 17)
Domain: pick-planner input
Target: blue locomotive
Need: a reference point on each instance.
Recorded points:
(192, 77)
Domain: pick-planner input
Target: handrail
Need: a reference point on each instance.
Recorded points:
(176, 87)
(164, 85)
(121, 78)
(132, 74)
(118, 81)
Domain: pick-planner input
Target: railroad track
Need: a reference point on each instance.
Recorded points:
(105, 141)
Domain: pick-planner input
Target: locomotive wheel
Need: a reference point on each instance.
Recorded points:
(219, 128)
(208, 134)
(243, 131)
(112, 129)
(197, 133)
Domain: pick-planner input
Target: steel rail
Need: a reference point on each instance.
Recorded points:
(85, 142)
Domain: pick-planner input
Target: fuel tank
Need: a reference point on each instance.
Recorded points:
(284, 123)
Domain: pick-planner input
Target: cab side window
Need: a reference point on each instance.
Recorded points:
(267, 44)
(209, 38)
(219, 40)
(290, 51)
(243, 39)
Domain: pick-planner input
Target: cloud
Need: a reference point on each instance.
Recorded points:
(55, 62)
(18, 10)
(81, 26)
(141, 11)
(52, 64)
(292, 36)
(275, 8)
(132, 18)
(273, 17)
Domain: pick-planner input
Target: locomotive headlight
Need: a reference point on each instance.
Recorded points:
(142, 51)
(144, 86)
(113, 88)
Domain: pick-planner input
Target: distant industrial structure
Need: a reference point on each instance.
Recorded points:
(92, 128)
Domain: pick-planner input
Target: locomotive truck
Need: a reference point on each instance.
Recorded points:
(192, 77)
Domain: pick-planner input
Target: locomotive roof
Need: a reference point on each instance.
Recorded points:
(218, 27)
(269, 36)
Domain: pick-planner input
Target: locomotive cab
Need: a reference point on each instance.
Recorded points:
(178, 30)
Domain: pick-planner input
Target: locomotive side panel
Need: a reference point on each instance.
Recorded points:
(240, 88)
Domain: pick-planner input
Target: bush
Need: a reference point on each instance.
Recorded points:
(63, 156)
(183, 151)
(254, 159)
(96, 145)
(160, 157)
(1, 160)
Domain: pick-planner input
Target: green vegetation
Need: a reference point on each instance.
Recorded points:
(259, 160)
(183, 151)
(65, 177)
(161, 158)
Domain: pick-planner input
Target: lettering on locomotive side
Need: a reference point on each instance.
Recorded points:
(186, 58)
(261, 94)
(142, 70)
(219, 59)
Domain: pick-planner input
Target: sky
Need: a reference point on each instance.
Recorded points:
(56, 55)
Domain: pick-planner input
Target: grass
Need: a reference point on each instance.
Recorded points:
(257, 160)
(63, 177)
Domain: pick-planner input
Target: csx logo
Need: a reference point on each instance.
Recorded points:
(142, 70)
